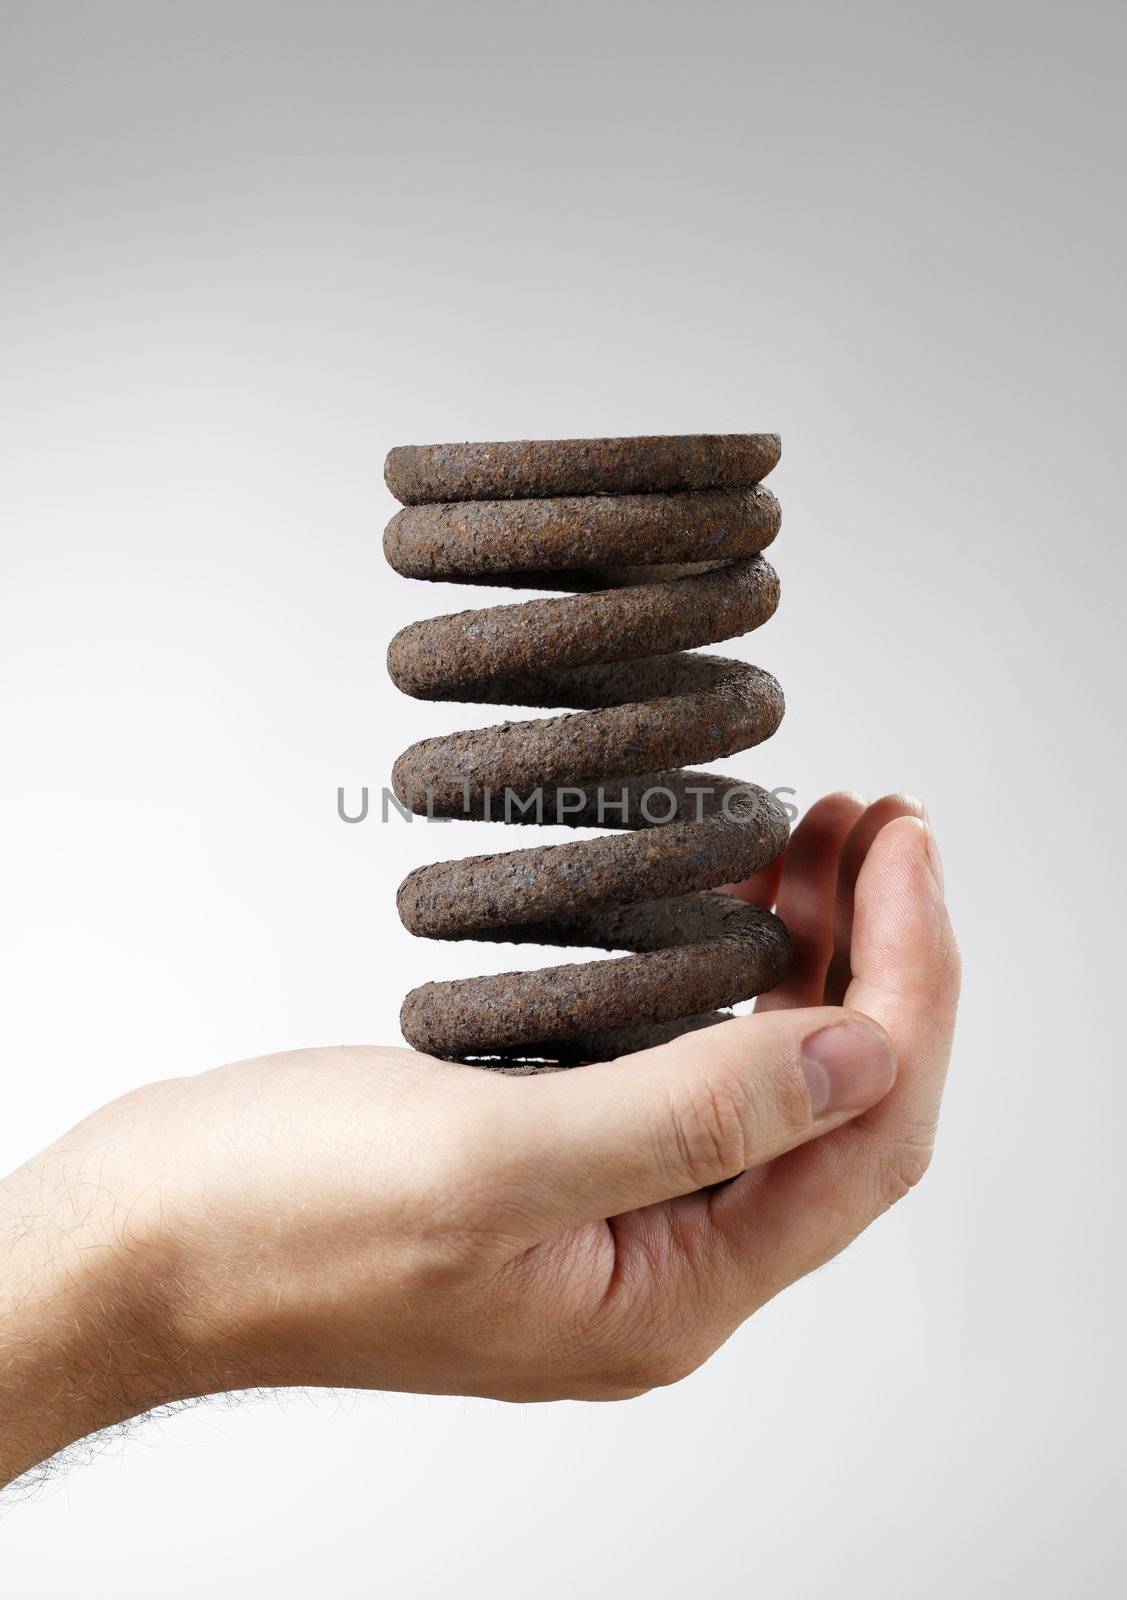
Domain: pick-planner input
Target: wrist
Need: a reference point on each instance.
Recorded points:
(79, 1314)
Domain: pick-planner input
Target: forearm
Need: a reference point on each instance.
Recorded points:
(77, 1349)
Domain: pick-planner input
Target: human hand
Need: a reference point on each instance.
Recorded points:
(373, 1218)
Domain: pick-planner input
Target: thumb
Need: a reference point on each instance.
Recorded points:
(600, 1140)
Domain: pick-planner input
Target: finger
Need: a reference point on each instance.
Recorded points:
(809, 1204)
(761, 889)
(906, 969)
(572, 1147)
(853, 853)
(806, 899)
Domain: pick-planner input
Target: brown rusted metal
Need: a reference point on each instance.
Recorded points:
(679, 567)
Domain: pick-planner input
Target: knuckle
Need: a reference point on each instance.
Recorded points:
(711, 1129)
(638, 1353)
(721, 1121)
(902, 1166)
(639, 1371)
(671, 1367)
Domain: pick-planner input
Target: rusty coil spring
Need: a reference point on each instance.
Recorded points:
(656, 543)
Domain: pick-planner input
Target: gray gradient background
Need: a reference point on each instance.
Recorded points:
(245, 249)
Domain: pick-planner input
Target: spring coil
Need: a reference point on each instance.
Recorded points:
(588, 517)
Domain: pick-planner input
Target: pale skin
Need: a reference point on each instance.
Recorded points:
(367, 1217)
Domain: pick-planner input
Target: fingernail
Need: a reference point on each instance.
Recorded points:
(848, 1067)
(934, 860)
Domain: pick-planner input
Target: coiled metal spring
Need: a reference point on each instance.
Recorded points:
(656, 544)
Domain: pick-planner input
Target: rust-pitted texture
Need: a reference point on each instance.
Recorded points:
(492, 538)
(677, 570)
(534, 468)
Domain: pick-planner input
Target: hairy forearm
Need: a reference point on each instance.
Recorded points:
(77, 1352)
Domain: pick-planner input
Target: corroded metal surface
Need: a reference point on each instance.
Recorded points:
(417, 473)
(681, 569)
